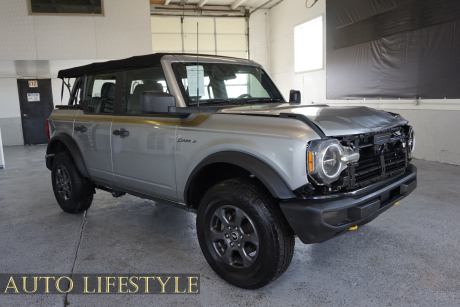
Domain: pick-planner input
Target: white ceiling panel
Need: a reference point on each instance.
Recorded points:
(248, 3)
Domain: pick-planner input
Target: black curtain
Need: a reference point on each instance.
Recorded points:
(393, 49)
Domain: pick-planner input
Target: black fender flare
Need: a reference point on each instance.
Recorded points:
(73, 149)
(267, 175)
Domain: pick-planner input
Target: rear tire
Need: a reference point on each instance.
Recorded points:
(73, 192)
(243, 234)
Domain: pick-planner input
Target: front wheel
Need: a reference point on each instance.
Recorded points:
(73, 192)
(243, 233)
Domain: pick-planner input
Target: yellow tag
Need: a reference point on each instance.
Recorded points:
(396, 203)
(353, 227)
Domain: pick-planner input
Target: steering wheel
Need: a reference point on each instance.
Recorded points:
(244, 96)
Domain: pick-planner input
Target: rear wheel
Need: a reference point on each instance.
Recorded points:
(243, 233)
(73, 192)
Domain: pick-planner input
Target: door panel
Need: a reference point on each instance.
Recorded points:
(92, 134)
(36, 103)
(144, 160)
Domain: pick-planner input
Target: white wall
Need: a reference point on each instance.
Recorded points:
(259, 38)
(122, 32)
(435, 121)
(39, 46)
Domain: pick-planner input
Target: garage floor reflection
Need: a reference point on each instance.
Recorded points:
(408, 256)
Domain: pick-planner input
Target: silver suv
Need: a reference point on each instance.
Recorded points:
(213, 135)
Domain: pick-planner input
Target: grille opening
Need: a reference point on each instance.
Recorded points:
(382, 155)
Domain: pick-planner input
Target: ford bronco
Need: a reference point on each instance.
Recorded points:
(214, 135)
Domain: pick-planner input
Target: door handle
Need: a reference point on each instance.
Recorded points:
(121, 133)
(81, 128)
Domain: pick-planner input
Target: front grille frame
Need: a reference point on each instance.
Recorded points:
(389, 158)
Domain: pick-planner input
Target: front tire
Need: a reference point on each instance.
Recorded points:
(243, 233)
(73, 192)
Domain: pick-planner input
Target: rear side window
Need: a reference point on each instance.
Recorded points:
(100, 95)
(137, 81)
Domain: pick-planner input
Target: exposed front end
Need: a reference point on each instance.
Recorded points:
(353, 179)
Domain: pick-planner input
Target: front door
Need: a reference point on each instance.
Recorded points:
(36, 104)
(143, 146)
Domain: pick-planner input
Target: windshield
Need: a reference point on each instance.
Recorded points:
(224, 83)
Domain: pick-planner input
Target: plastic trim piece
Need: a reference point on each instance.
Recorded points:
(73, 149)
(270, 178)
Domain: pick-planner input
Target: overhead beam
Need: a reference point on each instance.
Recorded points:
(202, 3)
(157, 1)
(236, 4)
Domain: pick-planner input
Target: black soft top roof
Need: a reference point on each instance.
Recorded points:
(135, 62)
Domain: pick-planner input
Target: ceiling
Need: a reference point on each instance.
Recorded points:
(252, 4)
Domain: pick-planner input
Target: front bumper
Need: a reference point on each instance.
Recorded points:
(317, 219)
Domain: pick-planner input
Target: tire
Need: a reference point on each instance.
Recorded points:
(73, 192)
(265, 237)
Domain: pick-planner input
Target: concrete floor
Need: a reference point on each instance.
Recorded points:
(407, 257)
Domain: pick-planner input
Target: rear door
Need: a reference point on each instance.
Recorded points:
(36, 103)
(92, 127)
(143, 146)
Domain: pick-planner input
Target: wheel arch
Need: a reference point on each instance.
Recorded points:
(64, 142)
(230, 164)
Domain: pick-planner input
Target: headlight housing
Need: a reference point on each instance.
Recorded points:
(326, 159)
(411, 139)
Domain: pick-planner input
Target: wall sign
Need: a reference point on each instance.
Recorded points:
(33, 97)
(33, 83)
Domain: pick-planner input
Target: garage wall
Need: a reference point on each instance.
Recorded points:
(259, 38)
(10, 122)
(38, 46)
(435, 121)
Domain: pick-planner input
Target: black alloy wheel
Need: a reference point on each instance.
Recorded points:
(234, 237)
(63, 183)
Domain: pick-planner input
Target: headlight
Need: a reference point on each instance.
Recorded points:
(327, 159)
(330, 161)
(411, 139)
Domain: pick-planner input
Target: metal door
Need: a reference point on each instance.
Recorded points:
(143, 153)
(36, 104)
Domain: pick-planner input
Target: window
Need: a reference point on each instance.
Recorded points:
(64, 7)
(308, 45)
(224, 83)
(100, 96)
(137, 81)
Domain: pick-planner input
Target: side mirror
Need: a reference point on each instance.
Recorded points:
(156, 102)
(294, 96)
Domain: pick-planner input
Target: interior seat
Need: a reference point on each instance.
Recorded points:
(135, 99)
(107, 98)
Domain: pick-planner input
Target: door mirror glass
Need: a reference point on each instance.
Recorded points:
(156, 102)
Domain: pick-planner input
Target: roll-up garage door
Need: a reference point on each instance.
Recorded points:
(225, 36)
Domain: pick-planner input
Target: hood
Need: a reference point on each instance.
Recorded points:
(333, 121)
